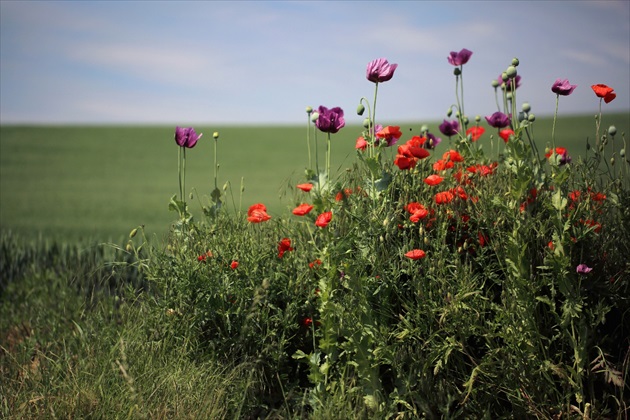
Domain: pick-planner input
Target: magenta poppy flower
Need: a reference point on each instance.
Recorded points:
(583, 269)
(449, 128)
(562, 87)
(330, 120)
(498, 120)
(459, 58)
(186, 137)
(431, 141)
(380, 70)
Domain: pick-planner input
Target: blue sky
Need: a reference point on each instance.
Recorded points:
(265, 61)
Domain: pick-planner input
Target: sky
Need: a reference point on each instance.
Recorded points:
(263, 62)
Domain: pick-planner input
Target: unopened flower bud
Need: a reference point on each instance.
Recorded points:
(511, 72)
(612, 161)
(449, 112)
(531, 118)
(526, 107)
(612, 130)
(457, 71)
(129, 247)
(215, 135)
(309, 109)
(424, 128)
(466, 120)
(477, 118)
(504, 77)
(515, 62)
(366, 123)
(191, 196)
(360, 109)
(133, 233)
(622, 153)
(508, 96)
(314, 116)
(495, 84)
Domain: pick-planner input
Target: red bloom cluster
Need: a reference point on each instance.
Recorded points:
(604, 92)
(410, 152)
(475, 132)
(257, 213)
(417, 210)
(323, 219)
(315, 264)
(302, 209)
(284, 246)
(446, 197)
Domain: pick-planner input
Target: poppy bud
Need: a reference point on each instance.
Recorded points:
(215, 135)
(449, 112)
(612, 130)
(508, 96)
(191, 196)
(129, 247)
(314, 116)
(457, 71)
(360, 109)
(495, 84)
(511, 72)
(466, 121)
(612, 161)
(526, 107)
(477, 118)
(424, 128)
(504, 76)
(133, 233)
(622, 153)
(531, 118)
(309, 109)
(366, 123)
(515, 62)
(604, 139)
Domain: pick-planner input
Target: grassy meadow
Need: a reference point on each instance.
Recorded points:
(98, 182)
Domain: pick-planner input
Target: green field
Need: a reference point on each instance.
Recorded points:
(98, 182)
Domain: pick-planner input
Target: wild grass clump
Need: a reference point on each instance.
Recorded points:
(473, 284)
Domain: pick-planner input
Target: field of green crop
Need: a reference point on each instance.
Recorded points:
(98, 182)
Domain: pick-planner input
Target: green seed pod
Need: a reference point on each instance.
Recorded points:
(314, 116)
(495, 84)
(622, 153)
(612, 130)
(612, 161)
(477, 118)
(515, 62)
(129, 247)
(531, 118)
(449, 112)
(511, 72)
(508, 96)
(309, 109)
(424, 128)
(466, 120)
(526, 107)
(133, 233)
(504, 77)
(604, 139)
(366, 123)
(215, 135)
(457, 71)
(360, 109)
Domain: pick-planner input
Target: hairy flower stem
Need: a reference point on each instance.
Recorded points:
(460, 110)
(216, 166)
(308, 139)
(461, 88)
(328, 159)
(373, 120)
(553, 127)
(317, 162)
(179, 172)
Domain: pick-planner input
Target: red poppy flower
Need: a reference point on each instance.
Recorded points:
(442, 165)
(257, 213)
(433, 180)
(305, 187)
(483, 239)
(403, 162)
(444, 197)
(417, 210)
(307, 322)
(323, 219)
(302, 209)
(475, 132)
(415, 254)
(603, 91)
(460, 192)
(284, 246)
(361, 144)
(390, 133)
(234, 265)
(483, 170)
(414, 147)
(505, 134)
(201, 258)
(453, 156)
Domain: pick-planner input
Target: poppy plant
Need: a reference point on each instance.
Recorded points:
(475, 132)
(415, 254)
(257, 213)
(380, 70)
(234, 265)
(562, 155)
(562, 87)
(330, 120)
(302, 209)
(305, 187)
(323, 219)
(459, 58)
(284, 246)
(604, 92)
(449, 128)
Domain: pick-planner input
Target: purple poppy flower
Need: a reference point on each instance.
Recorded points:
(449, 128)
(459, 58)
(498, 120)
(508, 84)
(380, 70)
(330, 120)
(583, 269)
(186, 137)
(431, 141)
(562, 87)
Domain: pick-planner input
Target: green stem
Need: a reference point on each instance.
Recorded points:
(179, 172)
(373, 120)
(328, 159)
(461, 88)
(216, 166)
(460, 111)
(308, 139)
(553, 127)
